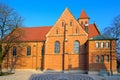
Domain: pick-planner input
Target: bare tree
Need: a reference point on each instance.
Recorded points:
(9, 32)
(114, 31)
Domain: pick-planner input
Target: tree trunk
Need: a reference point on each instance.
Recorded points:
(0, 68)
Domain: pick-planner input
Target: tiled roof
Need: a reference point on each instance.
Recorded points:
(35, 33)
(92, 30)
(83, 15)
(39, 33)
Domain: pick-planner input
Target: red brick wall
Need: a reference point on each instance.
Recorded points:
(85, 60)
(93, 51)
(77, 61)
(23, 61)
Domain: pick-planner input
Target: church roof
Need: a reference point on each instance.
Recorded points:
(35, 33)
(93, 30)
(39, 33)
(102, 37)
(83, 15)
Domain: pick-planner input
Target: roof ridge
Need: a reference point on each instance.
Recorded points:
(37, 27)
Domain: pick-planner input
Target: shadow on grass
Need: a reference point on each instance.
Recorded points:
(6, 73)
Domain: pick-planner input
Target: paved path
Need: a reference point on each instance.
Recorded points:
(19, 75)
(60, 76)
(36, 75)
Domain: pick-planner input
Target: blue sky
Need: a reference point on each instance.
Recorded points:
(46, 12)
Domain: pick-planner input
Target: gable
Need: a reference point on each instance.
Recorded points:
(66, 18)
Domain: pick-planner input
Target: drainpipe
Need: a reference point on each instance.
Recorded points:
(86, 27)
(63, 56)
(36, 54)
(111, 73)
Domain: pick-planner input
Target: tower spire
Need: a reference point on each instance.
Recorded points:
(83, 15)
(83, 20)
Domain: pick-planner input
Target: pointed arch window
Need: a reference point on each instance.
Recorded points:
(28, 50)
(97, 59)
(14, 51)
(57, 47)
(76, 47)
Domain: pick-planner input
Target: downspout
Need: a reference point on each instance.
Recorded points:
(36, 55)
(111, 73)
(63, 48)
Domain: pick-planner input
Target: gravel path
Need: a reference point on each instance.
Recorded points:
(37, 75)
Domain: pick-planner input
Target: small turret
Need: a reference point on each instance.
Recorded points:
(83, 19)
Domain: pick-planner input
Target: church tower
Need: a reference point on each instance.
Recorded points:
(83, 20)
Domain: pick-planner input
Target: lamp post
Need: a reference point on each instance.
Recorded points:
(63, 56)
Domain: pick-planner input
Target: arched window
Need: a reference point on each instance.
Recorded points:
(56, 31)
(102, 44)
(43, 49)
(107, 44)
(57, 47)
(107, 58)
(97, 59)
(86, 22)
(28, 50)
(76, 31)
(81, 22)
(102, 58)
(63, 24)
(97, 44)
(14, 51)
(71, 24)
(76, 47)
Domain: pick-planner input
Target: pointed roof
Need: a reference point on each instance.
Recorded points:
(83, 15)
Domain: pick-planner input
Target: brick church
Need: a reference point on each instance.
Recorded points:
(71, 44)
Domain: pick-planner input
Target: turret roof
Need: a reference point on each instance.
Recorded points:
(83, 15)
